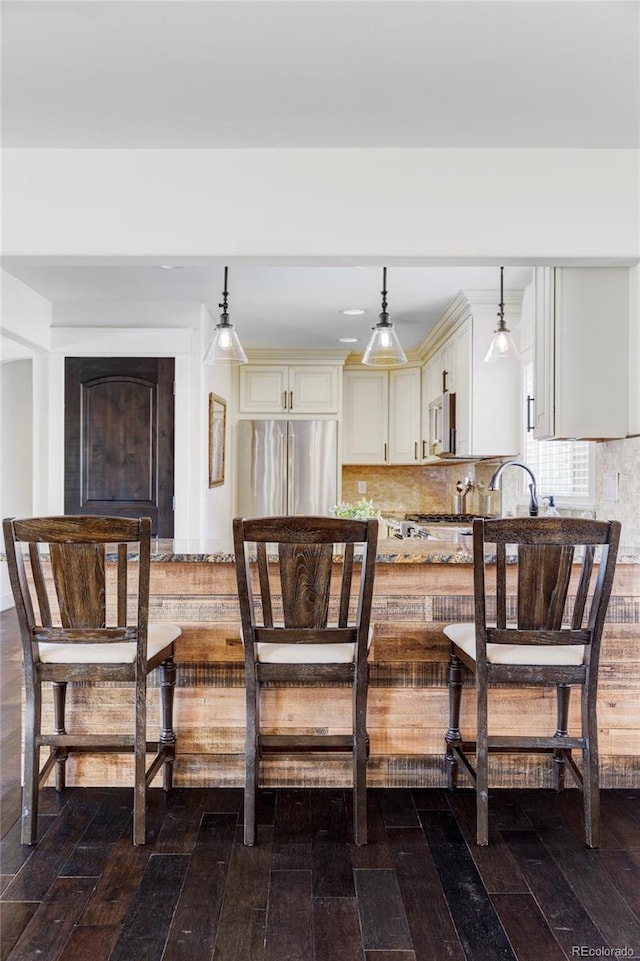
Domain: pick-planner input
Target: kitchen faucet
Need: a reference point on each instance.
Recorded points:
(493, 483)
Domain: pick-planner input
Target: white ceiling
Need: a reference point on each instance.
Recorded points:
(293, 306)
(302, 73)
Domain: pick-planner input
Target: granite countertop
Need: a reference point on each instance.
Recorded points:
(444, 548)
(455, 549)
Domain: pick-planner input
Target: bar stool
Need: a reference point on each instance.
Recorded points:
(296, 631)
(542, 634)
(66, 639)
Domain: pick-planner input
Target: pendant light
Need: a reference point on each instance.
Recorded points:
(384, 348)
(502, 346)
(225, 347)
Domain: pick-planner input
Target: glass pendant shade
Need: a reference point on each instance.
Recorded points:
(384, 349)
(502, 346)
(225, 347)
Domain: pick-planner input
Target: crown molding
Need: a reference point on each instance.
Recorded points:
(460, 307)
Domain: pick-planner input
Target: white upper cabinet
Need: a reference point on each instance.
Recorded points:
(404, 416)
(581, 337)
(473, 408)
(281, 389)
(381, 422)
(365, 417)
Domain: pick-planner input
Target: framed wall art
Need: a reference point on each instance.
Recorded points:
(217, 436)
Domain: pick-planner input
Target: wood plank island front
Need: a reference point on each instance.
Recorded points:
(419, 589)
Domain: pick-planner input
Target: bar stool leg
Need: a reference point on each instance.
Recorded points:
(59, 703)
(453, 736)
(167, 734)
(564, 693)
(590, 770)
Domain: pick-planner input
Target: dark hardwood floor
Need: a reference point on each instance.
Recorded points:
(421, 890)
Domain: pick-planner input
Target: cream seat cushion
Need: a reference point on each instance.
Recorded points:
(159, 636)
(268, 653)
(464, 635)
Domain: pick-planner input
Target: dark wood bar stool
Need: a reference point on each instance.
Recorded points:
(296, 631)
(66, 639)
(547, 631)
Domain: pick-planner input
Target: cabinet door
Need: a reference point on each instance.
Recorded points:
(404, 416)
(581, 353)
(264, 389)
(463, 373)
(591, 352)
(365, 417)
(313, 390)
(544, 353)
(431, 414)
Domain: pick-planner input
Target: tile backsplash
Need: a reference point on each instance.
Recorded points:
(428, 489)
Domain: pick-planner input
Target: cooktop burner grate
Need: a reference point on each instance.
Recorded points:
(441, 518)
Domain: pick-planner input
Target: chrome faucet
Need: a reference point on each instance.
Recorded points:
(533, 503)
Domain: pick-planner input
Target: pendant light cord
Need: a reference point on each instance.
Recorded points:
(384, 314)
(225, 293)
(501, 304)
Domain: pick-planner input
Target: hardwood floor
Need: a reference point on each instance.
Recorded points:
(421, 890)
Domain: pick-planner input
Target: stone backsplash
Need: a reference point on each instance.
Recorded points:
(428, 489)
(421, 489)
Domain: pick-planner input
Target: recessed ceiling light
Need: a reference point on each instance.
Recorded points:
(171, 266)
(348, 340)
(353, 312)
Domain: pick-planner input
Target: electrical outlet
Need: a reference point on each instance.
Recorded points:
(610, 487)
(362, 487)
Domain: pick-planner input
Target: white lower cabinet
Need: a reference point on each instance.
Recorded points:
(381, 416)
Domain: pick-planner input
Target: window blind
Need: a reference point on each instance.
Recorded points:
(562, 467)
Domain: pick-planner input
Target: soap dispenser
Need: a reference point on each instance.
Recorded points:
(551, 510)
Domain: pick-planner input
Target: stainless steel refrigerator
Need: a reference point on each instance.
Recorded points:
(287, 467)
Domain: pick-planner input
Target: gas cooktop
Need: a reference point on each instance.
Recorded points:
(441, 518)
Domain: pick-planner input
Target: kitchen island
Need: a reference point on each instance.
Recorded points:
(421, 585)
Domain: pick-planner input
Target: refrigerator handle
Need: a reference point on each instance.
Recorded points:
(291, 475)
(284, 496)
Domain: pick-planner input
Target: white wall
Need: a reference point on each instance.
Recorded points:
(634, 350)
(16, 440)
(201, 513)
(300, 203)
(25, 322)
(218, 501)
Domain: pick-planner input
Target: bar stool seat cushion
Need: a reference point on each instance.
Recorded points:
(464, 635)
(159, 635)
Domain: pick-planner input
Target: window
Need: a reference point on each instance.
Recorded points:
(563, 468)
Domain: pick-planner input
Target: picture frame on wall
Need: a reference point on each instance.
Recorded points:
(217, 439)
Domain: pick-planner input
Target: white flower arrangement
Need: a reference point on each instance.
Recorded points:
(361, 510)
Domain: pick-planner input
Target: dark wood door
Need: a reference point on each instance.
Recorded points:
(119, 431)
